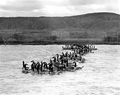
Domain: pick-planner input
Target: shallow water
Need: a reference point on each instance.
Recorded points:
(100, 75)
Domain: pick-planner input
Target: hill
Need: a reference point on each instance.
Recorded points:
(93, 27)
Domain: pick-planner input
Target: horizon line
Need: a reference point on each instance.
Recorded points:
(60, 16)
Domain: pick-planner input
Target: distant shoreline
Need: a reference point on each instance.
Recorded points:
(93, 28)
(60, 43)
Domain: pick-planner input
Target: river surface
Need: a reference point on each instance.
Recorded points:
(100, 75)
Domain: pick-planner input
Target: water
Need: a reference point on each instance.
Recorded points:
(100, 75)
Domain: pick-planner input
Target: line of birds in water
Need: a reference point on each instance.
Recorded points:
(68, 61)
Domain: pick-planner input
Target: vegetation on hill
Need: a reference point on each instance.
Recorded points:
(94, 27)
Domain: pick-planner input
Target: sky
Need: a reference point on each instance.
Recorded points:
(37, 8)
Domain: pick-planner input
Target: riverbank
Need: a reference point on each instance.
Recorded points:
(60, 43)
(93, 28)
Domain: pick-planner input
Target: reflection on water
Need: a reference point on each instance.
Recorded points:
(100, 75)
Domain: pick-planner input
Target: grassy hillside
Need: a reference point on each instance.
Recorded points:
(81, 28)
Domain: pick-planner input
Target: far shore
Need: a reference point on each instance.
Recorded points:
(60, 43)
